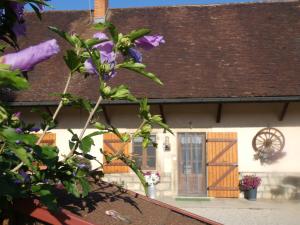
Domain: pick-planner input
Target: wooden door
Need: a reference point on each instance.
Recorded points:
(222, 165)
(191, 168)
(111, 145)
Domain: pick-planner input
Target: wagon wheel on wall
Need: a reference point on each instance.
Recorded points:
(267, 143)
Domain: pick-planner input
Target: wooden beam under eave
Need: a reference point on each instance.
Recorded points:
(162, 113)
(283, 111)
(106, 117)
(219, 113)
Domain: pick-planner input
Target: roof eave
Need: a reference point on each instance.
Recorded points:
(179, 101)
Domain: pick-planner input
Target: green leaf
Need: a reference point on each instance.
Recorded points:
(94, 41)
(12, 79)
(46, 118)
(129, 162)
(86, 144)
(75, 137)
(72, 60)
(116, 132)
(99, 126)
(71, 131)
(165, 126)
(141, 71)
(7, 187)
(156, 119)
(85, 186)
(5, 163)
(71, 187)
(36, 10)
(71, 39)
(47, 154)
(2, 47)
(3, 114)
(125, 137)
(36, 188)
(11, 136)
(47, 197)
(136, 34)
(71, 144)
(122, 93)
(105, 90)
(22, 154)
(145, 143)
(100, 26)
(130, 65)
(96, 133)
(146, 128)
(42, 2)
(89, 157)
(113, 32)
(144, 109)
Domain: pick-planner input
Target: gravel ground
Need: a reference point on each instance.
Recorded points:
(244, 212)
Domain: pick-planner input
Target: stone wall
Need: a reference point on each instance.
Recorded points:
(276, 185)
(131, 182)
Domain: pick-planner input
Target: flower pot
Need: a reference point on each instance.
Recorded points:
(151, 193)
(251, 194)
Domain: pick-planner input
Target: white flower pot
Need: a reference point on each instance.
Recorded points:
(151, 191)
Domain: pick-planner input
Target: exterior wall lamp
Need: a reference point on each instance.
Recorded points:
(167, 146)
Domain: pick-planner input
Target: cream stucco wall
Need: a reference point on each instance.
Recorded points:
(245, 119)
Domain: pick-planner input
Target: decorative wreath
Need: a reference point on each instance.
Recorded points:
(268, 144)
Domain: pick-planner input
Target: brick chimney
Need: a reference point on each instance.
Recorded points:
(100, 8)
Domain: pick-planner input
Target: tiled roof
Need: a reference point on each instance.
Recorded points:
(219, 51)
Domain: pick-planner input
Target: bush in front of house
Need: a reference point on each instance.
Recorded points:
(31, 170)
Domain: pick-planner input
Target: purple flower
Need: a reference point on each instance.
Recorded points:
(25, 175)
(35, 129)
(19, 29)
(28, 149)
(18, 142)
(107, 55)
(17, 182)
(82, 166)
(89, 67)
(108, 59)
(26, 59)
(18, 9)
(100, 36)
(104, 47)
(149, 42)
(136, 55)
(17, 114)
(19, 130)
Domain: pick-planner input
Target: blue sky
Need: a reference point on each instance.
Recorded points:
(84, 4)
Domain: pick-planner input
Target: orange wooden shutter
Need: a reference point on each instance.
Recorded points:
(111, 145)
(49, 139)
(222, 165)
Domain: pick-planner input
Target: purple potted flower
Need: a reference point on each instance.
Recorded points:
(249, 184)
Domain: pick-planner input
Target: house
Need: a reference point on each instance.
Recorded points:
(229, 71)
